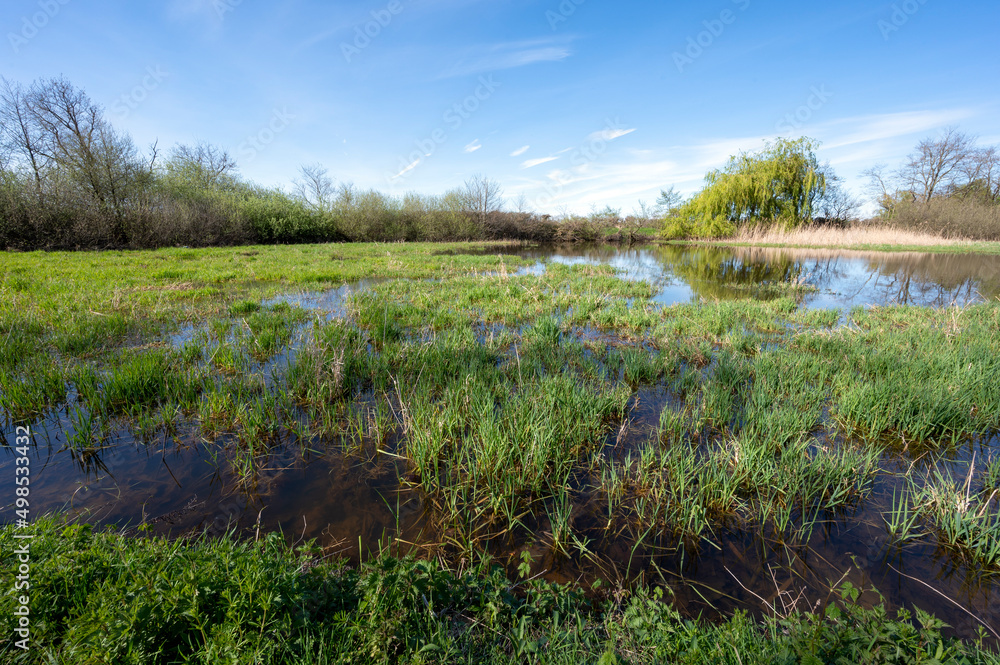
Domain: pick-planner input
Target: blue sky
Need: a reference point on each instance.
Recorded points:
(574, 103)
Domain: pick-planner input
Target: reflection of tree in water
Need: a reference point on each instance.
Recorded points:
(904, 278)
(936, 279)
(725, 273)
(764, 273)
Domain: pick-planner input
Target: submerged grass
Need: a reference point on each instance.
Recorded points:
(965, 521)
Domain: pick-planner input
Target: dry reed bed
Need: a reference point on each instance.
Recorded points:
(850, 237)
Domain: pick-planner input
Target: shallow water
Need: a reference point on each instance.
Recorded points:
(816, 278)
(358, 502)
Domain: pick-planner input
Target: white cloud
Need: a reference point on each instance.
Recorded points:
(609, 134)
(862, 129)
(850, 144)
(474, 146)
(508, 55)
(520, 151)
(531, 163)
(412, 165)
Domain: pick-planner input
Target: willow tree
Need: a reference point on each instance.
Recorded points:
(779, 184)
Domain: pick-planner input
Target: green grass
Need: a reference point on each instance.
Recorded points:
(99, 597)
(80, 303)
(506, 404)
(965, 522)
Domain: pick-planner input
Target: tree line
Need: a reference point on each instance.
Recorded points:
(948, 186)
(70, 179)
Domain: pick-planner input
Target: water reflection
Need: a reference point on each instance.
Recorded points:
(816, 278)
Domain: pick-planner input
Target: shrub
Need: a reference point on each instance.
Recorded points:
(949, 217)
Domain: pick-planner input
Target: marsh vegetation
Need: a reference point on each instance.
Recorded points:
(735, 429)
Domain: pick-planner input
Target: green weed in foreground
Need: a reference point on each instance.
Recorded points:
(99, 597)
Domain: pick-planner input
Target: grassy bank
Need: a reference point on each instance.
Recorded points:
(563, 414)
(97, 597)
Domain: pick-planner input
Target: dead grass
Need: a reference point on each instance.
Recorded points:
(856, 236)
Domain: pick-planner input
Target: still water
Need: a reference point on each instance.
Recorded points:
(828, 279)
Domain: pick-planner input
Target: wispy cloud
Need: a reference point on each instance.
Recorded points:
(412, 165)
(862, 129)
(520, 151)
(508, 55)
(852, 141)
(531, 163)
(474, 146)
(210, 12)
(609, 134)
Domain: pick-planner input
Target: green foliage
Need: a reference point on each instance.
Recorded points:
(100, 597)
(684, 227)
(780, 184)
(506, 393)
(275, 217)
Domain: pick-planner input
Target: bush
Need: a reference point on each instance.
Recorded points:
(949, 217)
(274, 217)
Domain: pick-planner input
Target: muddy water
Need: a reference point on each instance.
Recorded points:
(358, 502)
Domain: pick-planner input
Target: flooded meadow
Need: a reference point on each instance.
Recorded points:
(743, 428)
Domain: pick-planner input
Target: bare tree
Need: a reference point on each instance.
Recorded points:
(982, 173)
(521, 204)
(644, 210)
(937, 164)
(482, 196)
(105, 163)
(205, 164)
(20, 140)
(346, 194)
(316, 188)
(881, 187)
(838, 205)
